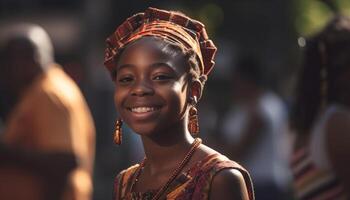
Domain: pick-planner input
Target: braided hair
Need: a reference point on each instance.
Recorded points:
(326, 57)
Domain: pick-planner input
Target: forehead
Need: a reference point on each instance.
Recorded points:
(150, 50)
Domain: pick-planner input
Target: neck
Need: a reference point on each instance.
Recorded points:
(165, 153)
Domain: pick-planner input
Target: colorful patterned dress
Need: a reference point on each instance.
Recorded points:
(314, 177)
(313, 183)
(193, 184)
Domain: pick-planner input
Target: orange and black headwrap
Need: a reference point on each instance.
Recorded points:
(168, 25)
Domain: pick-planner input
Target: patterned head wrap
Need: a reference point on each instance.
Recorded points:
(170, 26)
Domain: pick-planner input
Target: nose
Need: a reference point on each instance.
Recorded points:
(142, 88)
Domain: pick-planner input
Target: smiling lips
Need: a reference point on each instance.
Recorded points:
(144, 109)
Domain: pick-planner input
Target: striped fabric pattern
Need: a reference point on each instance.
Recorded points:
(311, 182)
(193, 184)
(168, 25)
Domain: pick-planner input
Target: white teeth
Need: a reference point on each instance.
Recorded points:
(142, 109)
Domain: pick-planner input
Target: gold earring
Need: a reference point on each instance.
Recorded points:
(117, 137)
(193, 125)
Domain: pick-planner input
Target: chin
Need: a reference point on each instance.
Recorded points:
(144, 129)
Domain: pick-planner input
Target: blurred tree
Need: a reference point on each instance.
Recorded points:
(312, 15)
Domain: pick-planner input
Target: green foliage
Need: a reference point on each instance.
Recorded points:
(312, 15)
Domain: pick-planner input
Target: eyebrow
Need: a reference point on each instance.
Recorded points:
(124, 66)
(154, 65)
(160, 64)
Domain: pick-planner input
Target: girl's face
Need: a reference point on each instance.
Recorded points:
(151, 87)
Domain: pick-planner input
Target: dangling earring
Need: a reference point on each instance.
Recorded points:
(193, 125)
(117, 137)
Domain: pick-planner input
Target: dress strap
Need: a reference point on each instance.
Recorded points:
(122, 182)
(213, 165)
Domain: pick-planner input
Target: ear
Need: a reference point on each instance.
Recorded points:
(196, 89)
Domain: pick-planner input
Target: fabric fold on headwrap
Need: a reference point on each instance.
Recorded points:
(171, 26)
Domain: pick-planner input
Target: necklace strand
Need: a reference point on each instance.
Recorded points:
(176, 172)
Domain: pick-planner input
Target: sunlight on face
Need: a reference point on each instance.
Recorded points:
(151, 87)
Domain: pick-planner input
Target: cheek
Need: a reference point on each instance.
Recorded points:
(179, 96)
(183, 91)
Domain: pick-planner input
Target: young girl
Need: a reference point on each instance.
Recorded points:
(321, 119)
(159, 61)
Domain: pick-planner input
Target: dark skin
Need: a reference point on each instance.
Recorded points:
(152, 96)
(20, 55)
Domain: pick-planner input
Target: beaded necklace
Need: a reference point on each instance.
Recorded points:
(176, 172)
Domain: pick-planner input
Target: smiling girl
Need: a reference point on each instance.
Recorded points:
(159, 61)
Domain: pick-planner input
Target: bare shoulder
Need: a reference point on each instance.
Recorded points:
(229, 184)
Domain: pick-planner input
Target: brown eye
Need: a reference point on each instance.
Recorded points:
(125, 79)
(162, 77)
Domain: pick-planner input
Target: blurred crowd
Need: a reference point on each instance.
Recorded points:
(278, 102)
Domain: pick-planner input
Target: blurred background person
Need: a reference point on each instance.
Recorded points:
(48, 141)
(254, 130)
(321, 115)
